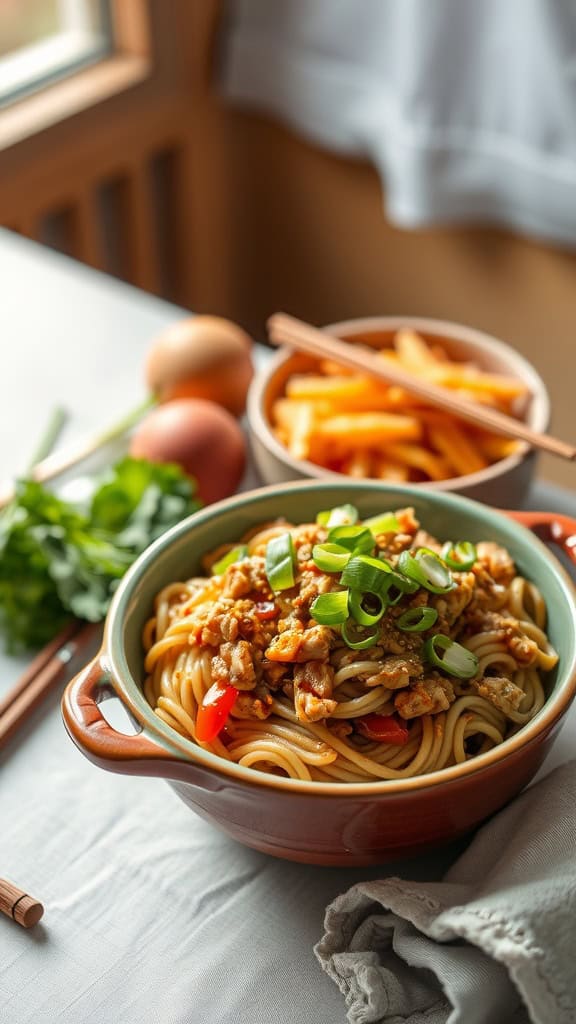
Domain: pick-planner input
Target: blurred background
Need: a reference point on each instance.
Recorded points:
(326, 157)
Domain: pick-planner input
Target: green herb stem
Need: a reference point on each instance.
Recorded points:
(123, 425)
(54, 427)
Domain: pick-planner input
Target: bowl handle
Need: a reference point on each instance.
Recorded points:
(139, 754)
(551, 527)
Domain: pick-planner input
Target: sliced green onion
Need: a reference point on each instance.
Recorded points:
(358, 638)
(330, 557)
(235, 554)
(456, 660)
(359, 605)
(342, 515)
(374, 574)
(385, 523)
(396, 587)
(427, 569)
(330, 609)
(461, 555)
(280, 562)
(416, 620)
(354, 538)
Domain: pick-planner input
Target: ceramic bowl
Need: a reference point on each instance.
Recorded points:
(320, 822)
(504, 484)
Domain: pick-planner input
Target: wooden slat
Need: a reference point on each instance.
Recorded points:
(27, 226)
(131, 27)
(87, 237)
(138, 225)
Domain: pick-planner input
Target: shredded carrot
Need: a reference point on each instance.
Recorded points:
(354, 424)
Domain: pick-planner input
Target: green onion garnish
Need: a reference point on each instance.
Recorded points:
(342, 515)
(385, 523)
(456, 660)
(366, 608)
(396, 587)
(330, 609)
(359, 637)
(330, 557)
(374, 574)
(235, 554)
(280, 562)
(353, 538)
(427, 569)
(459, 556)
(416, 620)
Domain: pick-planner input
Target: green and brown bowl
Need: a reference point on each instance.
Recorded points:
(321, 822)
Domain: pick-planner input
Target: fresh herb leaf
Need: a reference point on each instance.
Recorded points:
(59, 560)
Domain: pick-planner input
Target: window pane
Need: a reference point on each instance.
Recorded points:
(41, 40)
(26, 21)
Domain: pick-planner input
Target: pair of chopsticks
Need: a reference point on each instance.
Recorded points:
(287, 330)
(16, 708)
(43, 673)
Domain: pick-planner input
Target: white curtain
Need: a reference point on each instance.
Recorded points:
(466, 107)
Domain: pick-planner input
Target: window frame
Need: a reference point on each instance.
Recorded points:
(77, 88)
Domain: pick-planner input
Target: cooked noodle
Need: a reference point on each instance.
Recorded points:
(212, 629)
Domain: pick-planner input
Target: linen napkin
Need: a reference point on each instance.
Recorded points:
(494, 942)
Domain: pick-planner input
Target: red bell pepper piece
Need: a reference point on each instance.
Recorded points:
(214, 711)
(265, 610)
(383, 729)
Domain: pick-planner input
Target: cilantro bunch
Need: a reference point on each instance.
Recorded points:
(59, 560)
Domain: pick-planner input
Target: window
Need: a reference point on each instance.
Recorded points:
(44, 40)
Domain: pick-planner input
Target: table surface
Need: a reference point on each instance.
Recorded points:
(151, 914)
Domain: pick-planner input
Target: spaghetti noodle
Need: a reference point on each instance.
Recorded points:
(290, 686)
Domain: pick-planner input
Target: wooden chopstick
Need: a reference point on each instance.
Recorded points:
(18, 905)
(42, 675)
(284, 329)
(37, 664)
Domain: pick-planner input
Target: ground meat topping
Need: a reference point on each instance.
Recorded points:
(501, 692)
(274, 672)
(391, 544)
(451, 605)
(305, 645)
(313, 683)
(497, 561)
(394, 641)
(313, 584)
(245, 576)
(233, 664)
(488, 594)
(425, 697)
(253, 705)
(395, 672)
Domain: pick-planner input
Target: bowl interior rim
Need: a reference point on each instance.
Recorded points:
(113, 648)
(538, 418)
